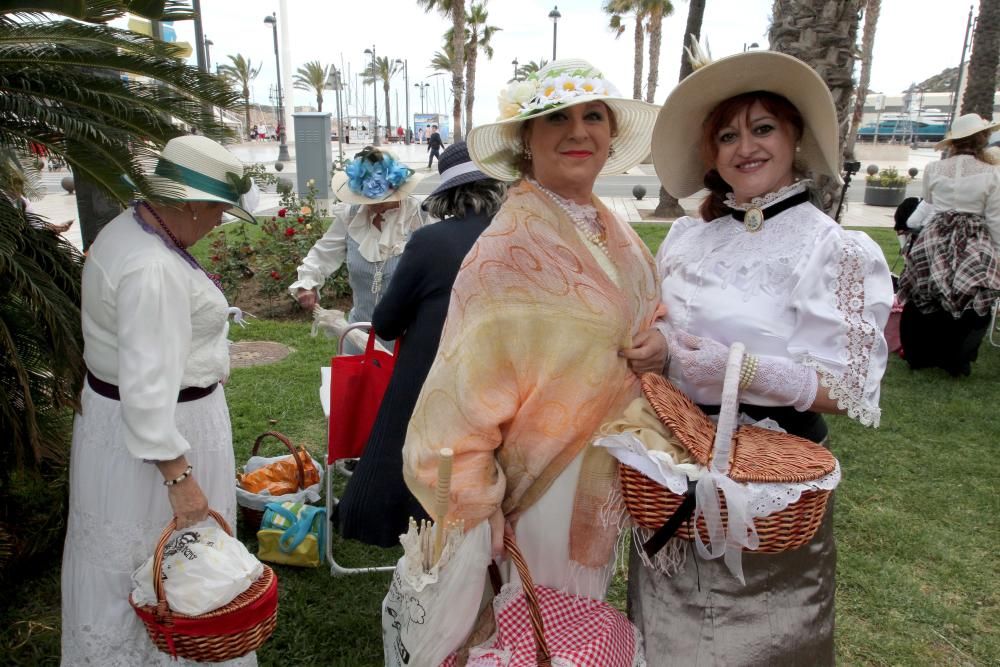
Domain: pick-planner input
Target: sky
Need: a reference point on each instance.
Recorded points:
(915, 40)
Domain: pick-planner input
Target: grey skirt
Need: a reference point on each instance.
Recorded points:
(703, 616)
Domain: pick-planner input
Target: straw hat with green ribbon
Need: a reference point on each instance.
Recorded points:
(496, 148)
(195, 168)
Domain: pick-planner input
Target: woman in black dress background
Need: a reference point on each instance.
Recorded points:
(376, 506)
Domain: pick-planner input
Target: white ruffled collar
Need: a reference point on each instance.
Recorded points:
(770, 198)
(397, 225)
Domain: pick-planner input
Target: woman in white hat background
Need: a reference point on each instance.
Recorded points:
(763, 266)
(152, 439)
(370, 227)
(376, 506)
(952, 274)
(546, 304)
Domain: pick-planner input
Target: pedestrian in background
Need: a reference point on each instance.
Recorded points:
(434, 145)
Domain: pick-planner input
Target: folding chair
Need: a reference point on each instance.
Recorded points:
(337, 465)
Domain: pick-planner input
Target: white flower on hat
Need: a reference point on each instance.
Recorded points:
(522, 92)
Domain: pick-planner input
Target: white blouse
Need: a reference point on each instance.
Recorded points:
(963, 183)
(801, 288)
(152, 324)
(330, 251)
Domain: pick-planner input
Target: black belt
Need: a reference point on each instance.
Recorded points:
(108, 390)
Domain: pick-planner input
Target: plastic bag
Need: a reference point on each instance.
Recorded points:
(427, 616)
(259, 501)
(292, 534)
(203, 569)
(281, 476)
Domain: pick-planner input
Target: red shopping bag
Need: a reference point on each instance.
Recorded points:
(357, 383)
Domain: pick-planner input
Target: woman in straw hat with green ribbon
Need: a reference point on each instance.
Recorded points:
(550, 314)
(952, 274)
(152, 439)
(763, 266)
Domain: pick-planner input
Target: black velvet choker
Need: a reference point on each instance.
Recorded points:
(753, 217)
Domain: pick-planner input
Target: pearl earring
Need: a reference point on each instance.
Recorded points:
(611, 151)
(527, 153)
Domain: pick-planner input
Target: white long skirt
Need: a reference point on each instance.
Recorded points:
(118, 508)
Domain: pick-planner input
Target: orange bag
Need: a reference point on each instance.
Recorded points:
(282, 476)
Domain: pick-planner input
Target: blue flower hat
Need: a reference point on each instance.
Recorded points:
(374, 176)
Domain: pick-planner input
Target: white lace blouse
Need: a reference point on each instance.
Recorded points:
(963, 183)
(152, 324)
(801, 288)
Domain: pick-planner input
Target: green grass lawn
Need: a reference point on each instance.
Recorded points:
(916, 522)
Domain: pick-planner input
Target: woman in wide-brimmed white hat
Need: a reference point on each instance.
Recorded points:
(952, 274)
(152, 439)
(370, 227)
(761, 265)
(550, 308)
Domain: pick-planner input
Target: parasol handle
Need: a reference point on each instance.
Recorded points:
(441, 499)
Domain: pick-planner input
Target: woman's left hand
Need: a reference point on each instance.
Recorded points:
(648, 353)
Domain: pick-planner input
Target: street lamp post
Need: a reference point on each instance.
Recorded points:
(337, 85)
(283, 155)
(375, 141)
(423, 86)
(408, 137)
(514, 63)
(555, 16)
(208, 54)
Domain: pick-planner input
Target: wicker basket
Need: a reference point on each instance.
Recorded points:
(756, 455)
(229, 632)
(252, 517)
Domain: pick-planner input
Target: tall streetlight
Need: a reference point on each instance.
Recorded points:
(514, 63)
(208, 54)
(555, 16)
(422, 86)
(337, 85)
(375, 141)
(283, 155)
(406, 83)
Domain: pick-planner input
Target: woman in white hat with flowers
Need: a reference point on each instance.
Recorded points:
(952, 274)
(550, 314)
(152, 440)
(369, 230)
(760, 265)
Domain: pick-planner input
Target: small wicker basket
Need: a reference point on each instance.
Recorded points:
(253, 517)
(229, 632)
(756, 455)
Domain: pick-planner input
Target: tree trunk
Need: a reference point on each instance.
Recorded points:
(668, 206)
(94, 207)
(470, 84)
(655, 37)
(983, 62)
(457, 65)
(319, 102)
(637, 58)
(246, 110)
(823, 34)
(867, 44)
(388, 119)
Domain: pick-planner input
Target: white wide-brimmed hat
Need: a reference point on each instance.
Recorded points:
(678, 130)
(196, 168)
(965, 126)
(374, 176)
(496, 148)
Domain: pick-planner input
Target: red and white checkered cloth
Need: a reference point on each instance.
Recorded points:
(580, 632)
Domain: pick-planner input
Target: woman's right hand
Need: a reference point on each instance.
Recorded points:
(307, 298)
(498, 524)
(188, 502)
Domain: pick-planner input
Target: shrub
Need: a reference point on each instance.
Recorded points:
(887, 178)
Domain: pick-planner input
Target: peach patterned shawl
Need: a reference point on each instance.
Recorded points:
(528, 368)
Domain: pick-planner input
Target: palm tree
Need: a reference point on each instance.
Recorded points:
(314, 76)
(668, 206)
(441, 62)
(656, 10)
(530, 67)
(479, 36)
(823, 34)
(239, 73)
(382, 70)
(455, 9)
(872, 9)
(617, 8)
(982, 83)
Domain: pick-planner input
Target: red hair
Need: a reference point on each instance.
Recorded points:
(713, 206)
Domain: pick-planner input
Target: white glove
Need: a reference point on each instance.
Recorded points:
(702, 363)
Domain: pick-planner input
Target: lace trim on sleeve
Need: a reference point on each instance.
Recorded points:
(848, 389)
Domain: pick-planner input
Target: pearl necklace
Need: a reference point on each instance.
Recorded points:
(178, 247)
(584, 217)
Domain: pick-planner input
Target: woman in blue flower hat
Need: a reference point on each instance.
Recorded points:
(370, 228)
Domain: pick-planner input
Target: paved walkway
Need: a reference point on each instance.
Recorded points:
(58, 206)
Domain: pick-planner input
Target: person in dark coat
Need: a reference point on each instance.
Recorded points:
(377, 506)
(434, 144)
